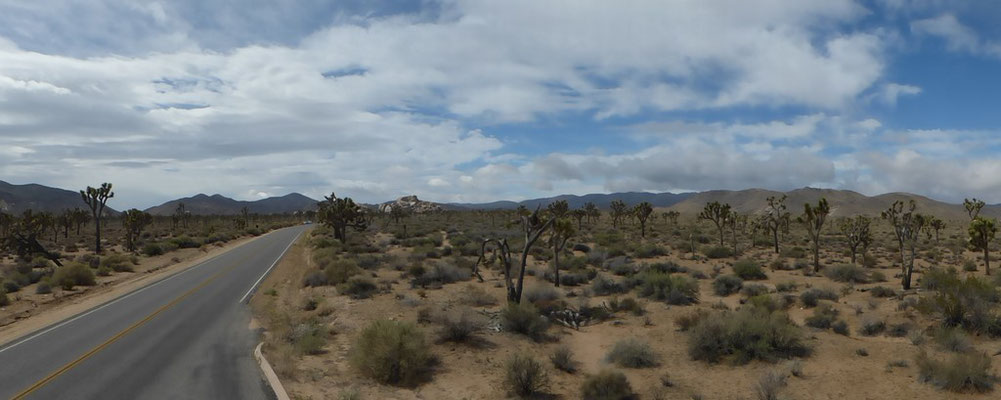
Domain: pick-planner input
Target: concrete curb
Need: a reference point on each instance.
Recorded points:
(269, 374)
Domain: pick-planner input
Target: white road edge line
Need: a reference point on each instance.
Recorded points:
(254, 286)
(116, 300)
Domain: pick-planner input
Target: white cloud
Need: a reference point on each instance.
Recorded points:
(957, 36)
(890, 92)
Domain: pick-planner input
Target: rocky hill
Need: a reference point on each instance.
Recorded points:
(411, 204)
(216, 204)
(14, 199)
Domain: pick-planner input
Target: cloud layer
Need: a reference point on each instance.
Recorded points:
(459, 100)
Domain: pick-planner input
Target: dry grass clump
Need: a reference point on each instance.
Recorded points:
(744, 335)
(607, 385)
(632, 353)
(393, 352)
(967, 372)
(524, 376)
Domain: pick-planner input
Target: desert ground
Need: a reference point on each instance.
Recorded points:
(648, 307)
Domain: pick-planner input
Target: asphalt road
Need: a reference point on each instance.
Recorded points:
(184, 337)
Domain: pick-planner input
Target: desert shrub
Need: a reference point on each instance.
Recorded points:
(607, 385)
(541, 294)
(935, 278)
(524, 318)
(725, 285)
(632, 353)
(769, 385)
(899, 329)
(793, 252)
(841, 327)
(602, 286)
(103, 271)
(671, 288)
(970, 303)
(811, 297)
(339, 271)
(952, 339)
(475, 296)
(4, 300)
(442, 273)
(669, 267)
(572, 279)
(877, 276)
(823, 317)
(314, 279)
(43, 287)
(716, 252)
(623, 269)
(72, 275)
(688, 320)
(10, 286)
(117, 263)
(524, 376)
(184, 242)
(649, 251)
(872, 327)
(459, 326)
(966, 372)
(787, 286)
(358, 287)
(152, 249)
(754, 289)
(627, 304)
(745, 335)
(308, 338)
(562, 359)
(847, 273)
(749, 270)
(882, 291)
(90, 260)
(393, 352)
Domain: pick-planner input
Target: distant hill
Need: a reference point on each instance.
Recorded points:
(216, 204)
(602, 200)
(843, 202)
(15, 199)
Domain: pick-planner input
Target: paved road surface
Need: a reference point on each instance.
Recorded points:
(185, 337)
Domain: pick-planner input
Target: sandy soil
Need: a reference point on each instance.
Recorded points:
(835, 370)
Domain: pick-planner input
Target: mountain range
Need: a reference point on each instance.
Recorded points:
(17, 198)
(216, 204)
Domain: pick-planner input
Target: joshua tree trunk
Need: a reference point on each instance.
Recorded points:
(987, 261)
(556, 264)
(775, 238)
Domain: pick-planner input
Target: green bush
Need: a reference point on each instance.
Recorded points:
(185, 242)
(4, 300)
(632, 353)
(607, 385)
(524, 318)
(823, 317)
(811, 297)
(358, 287)
(882, 291)
(749, 270)
(72, 275)
(459, 326)
(393, 352)
(970, 303)
(524, 376)
(847, 273)
(308, 338)
(754, 289)
(725, 285)
(152, 249)
(872, 327)
(43, 287)
(340, 270)
(602, 286)
(671, 288)
(562, 359)
(966, 372)
(117, 263)
(744, 335)
(952, 339)
(716, 252)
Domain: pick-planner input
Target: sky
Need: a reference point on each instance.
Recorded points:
(475, 101)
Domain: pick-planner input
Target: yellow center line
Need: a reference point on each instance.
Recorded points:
(124, 332)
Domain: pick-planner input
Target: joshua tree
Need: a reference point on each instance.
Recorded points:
(66, 222)
(619, 210)
(245, 213)
(80, 217)
(813, 218)
(935, 225)
(135, 222)
(579, 214)
(733, 223)
(907, 226)
(22, 237)
(857, 234)
(775, 219)
(642, 212)
(341, 214)
(982, 231)
(718, 214)
(973, 207)
(398, 213)
(533, 225)
(562, 231)
(673, 216)
(181, 215)
(558, 208)
(5, 221)
(592, 211)
(895, 216)
(96, 199)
